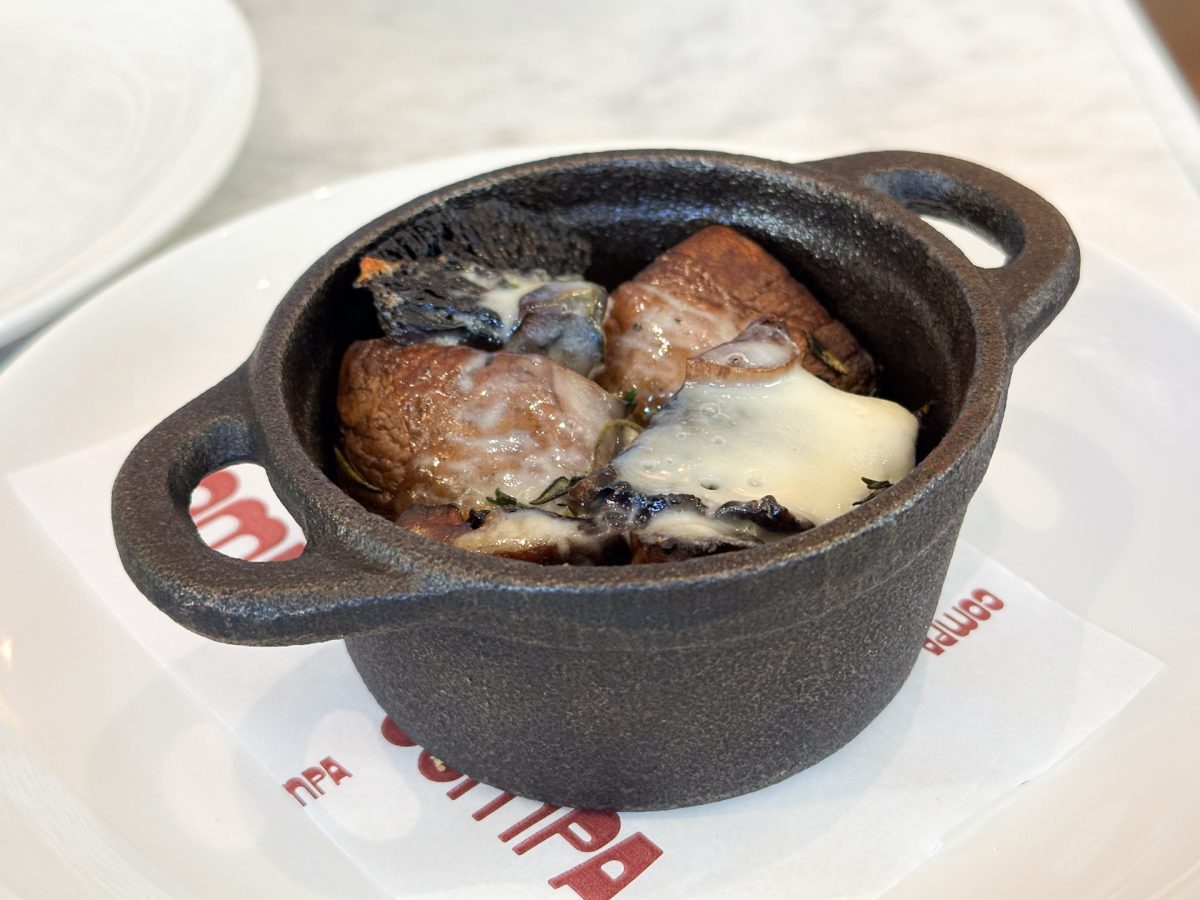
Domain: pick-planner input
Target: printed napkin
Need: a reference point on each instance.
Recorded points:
(1007, 684)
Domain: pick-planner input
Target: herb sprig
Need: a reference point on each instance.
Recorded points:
(874, 487)
(557, 488)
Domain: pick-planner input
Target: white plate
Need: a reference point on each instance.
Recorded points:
(118, 118)
(1091, 497)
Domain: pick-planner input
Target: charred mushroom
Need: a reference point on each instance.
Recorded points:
(479, 276)
(608, 499)
(764, 512)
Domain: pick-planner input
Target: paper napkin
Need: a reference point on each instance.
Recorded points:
(1008, 683)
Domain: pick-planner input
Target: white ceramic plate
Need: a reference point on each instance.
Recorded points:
(110, 775)
(118, 118)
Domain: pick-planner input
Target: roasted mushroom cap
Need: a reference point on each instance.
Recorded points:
(428, 424)
(703, 292)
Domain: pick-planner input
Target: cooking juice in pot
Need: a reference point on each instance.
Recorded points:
(511, 407)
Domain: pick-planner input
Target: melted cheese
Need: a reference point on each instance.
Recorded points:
(505, 299)
(522, 530)
(504, 290)
(796, 437)
(687, 524)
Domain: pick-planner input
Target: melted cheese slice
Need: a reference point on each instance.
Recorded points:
(792, 435)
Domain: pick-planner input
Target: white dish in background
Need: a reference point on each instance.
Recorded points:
(1091, 497)
(118, 119)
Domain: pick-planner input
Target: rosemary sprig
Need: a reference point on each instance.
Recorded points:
(874, 487)
(557, 488)
(506, 501)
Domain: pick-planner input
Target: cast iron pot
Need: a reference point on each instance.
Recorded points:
(636, 687)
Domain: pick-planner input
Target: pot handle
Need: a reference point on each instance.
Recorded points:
(1043, 256)
(296, 601)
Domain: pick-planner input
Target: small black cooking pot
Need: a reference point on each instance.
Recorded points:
(635, 687)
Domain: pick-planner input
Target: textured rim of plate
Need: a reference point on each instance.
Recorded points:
(184, 195)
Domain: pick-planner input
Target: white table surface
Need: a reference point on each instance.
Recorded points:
(1075, 98)
(1071, 97)
(1051, 92)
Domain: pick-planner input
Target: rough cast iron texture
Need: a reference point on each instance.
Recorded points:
(647, 686)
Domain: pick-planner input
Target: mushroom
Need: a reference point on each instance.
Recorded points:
(703, 292)
(429, 424)
(486, 276)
